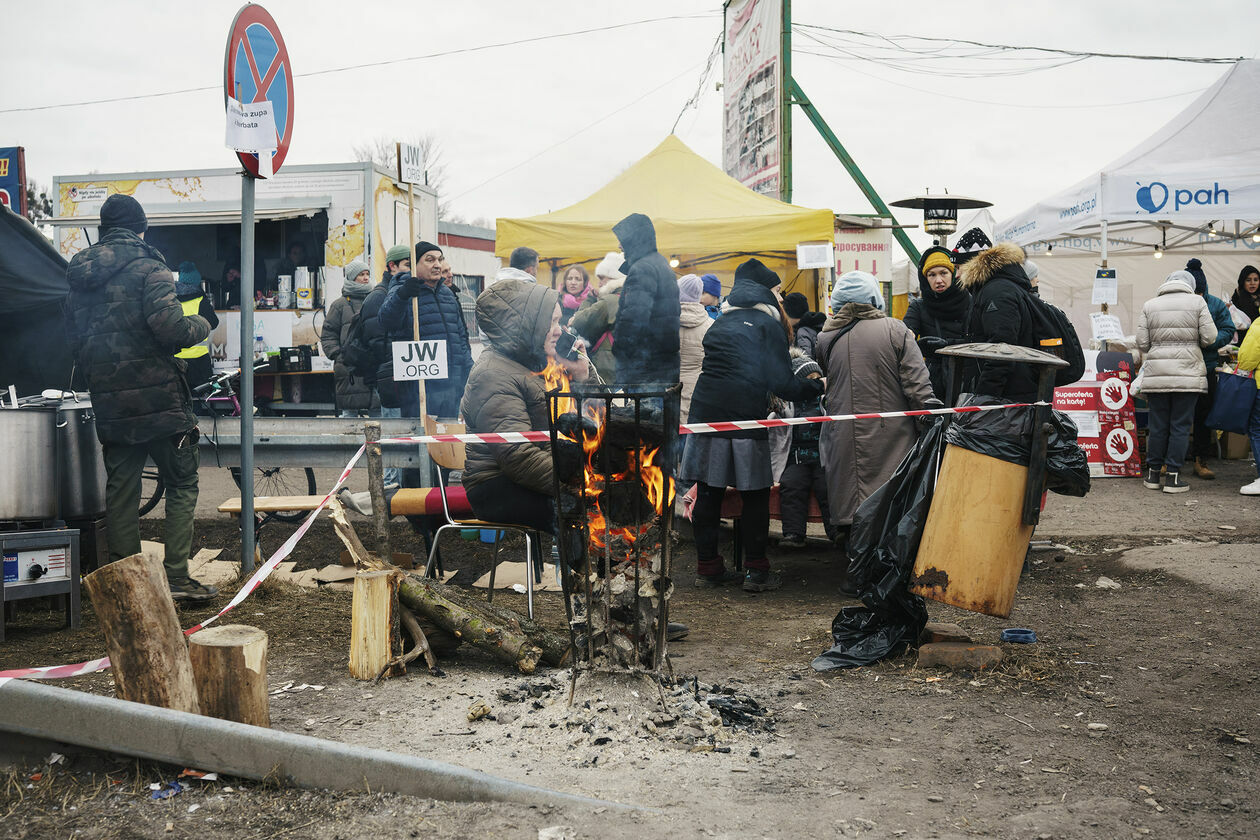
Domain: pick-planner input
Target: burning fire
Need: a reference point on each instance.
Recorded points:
(657, 488)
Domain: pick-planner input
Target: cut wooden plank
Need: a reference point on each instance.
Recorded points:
(132, 601)
(270, 504)
(974, 541)
(374, 638)
(230, 666)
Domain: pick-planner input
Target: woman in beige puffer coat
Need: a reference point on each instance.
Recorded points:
(1174, 327)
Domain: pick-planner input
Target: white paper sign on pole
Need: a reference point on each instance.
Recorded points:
(251, 127)
(815, 255)
(1105, 327)
(410, 164)
(419, 360)
(1106, 287)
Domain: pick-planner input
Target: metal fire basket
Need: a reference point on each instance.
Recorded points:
(616, 589)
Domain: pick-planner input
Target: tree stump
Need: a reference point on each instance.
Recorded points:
(146, 647)
(230, 667)
(374, 638)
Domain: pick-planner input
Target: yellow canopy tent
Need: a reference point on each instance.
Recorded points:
(704, 218)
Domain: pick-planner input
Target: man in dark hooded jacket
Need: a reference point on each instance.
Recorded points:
(1000, 313)
(125, 326)
(645, 338)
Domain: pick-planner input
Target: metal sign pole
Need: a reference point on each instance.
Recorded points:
(247, 374)
(785, 105)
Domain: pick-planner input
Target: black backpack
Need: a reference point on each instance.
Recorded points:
(355, 352)
(1055, 334)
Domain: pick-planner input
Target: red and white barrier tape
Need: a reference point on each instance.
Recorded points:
(703, 428)
(60, 671)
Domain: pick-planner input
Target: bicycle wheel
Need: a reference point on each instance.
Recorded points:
(151, 489)
(281, 481)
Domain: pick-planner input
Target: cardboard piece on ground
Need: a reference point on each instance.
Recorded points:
(402, 559)
(507, 575)
(335, 574)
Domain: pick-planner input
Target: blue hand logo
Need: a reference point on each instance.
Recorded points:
(1146, 197)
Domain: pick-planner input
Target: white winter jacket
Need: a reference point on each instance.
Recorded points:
(1174, 327)
(693, 323)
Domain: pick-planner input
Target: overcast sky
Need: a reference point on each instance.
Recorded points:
(500, 115)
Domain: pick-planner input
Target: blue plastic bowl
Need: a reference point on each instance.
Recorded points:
(1019, 635)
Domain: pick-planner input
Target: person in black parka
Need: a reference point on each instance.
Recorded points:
(1000, 313)
(745, 360)
(938, 318)
(645, 337)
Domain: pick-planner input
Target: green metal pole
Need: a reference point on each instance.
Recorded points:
(799, 98)
(785, 106)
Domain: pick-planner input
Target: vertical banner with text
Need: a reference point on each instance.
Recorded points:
(752, 89)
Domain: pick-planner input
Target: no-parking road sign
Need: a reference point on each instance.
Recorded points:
(255, 69)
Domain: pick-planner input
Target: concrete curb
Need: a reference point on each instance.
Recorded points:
(182, 739)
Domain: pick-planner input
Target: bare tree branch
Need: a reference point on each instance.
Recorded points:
(381, 150)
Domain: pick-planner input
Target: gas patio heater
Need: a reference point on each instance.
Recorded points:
(940, 212)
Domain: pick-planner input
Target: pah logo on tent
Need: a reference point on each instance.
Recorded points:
(1154, 196)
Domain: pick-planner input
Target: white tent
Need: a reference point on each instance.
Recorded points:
(1192, 189)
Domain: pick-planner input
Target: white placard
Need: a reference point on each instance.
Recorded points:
(410, 164)
(815, 255)
(1106, 287)
(89, 193)
(1087, 423)
(1105, 327)
(419, 360)
(251, 127)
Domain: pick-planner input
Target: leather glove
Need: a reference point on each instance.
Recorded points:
(927, 421)
(410, 288)
(929, 344)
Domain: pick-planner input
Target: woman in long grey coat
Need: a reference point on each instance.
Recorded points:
(872, 363)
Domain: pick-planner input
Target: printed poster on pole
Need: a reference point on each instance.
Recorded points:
(752, 90)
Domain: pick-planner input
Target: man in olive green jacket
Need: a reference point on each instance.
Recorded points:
(125, 326)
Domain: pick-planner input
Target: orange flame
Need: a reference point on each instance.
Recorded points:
(657, 488)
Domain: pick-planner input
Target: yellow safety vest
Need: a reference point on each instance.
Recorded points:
(191, 307)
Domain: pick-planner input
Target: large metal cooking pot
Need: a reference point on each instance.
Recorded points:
(28, 476)
(82, 464)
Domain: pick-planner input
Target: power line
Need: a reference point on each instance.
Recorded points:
(892, 40)
(704, 77)
(581, 130)
(385, 63)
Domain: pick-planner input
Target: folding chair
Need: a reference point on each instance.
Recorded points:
(452, 456)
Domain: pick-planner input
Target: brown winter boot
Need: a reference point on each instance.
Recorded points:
(1201, 470)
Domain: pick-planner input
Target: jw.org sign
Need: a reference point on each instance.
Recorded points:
(1155, 196)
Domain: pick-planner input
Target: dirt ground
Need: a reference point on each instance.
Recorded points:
(1134, 715)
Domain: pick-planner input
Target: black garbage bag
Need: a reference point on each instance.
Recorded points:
(883, 543)
(1007, 435)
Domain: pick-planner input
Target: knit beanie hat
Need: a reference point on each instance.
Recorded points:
(689, 288)
(856, 287)
(969, 244)
(397, 253)
(803, 366)
(188, 272)
(1195, 267)
(1031, 271)
(935, 259)
(125, 212)
(756, 271)
(712, 285)
(423, 248)
(795, 305)
(354, 268)
(609, 267)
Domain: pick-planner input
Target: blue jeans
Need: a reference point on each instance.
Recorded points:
(1170, 419)
(1253, 430)
(393, 475)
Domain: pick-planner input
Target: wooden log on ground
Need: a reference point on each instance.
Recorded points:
(374, 639)
(132, 600)
(230, 667)
(470, 621)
